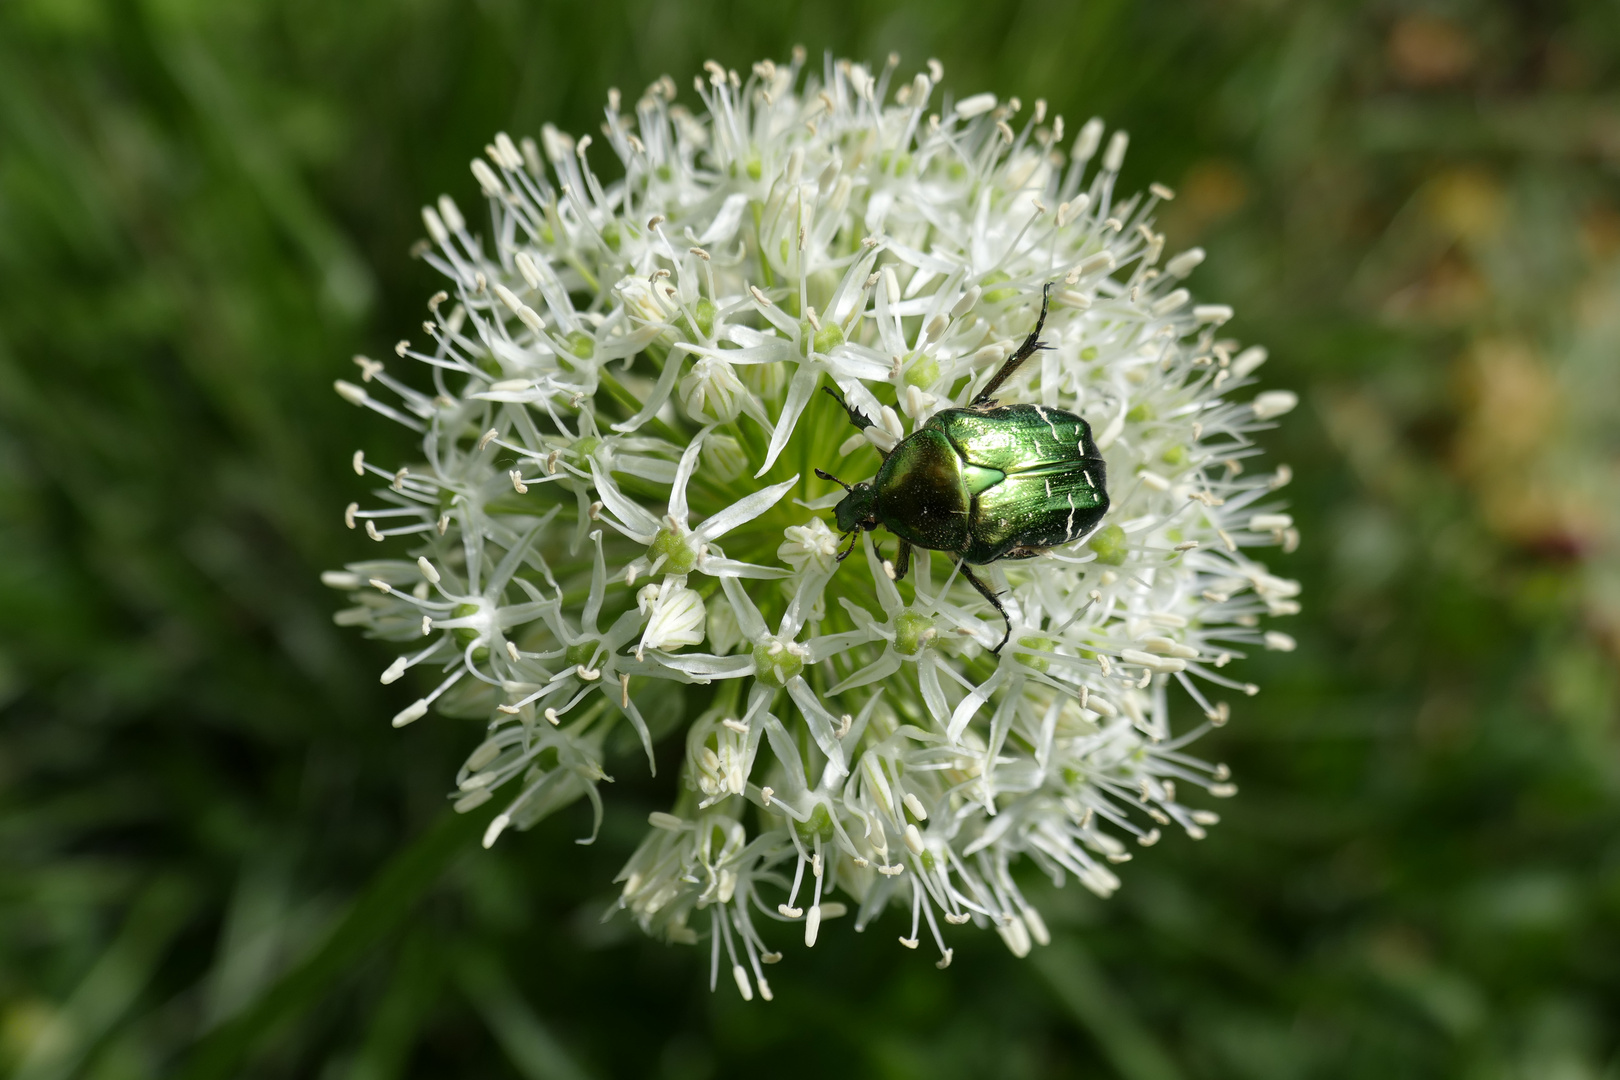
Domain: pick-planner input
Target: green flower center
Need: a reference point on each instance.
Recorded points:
(678, 556)
(1029, 660)
(826, 339)
(582, 344)
(705, 316)
(993, 295)
(818, 824)
(464, 635)
(703, 311)
(1109, 544)
(776, 664)
(582, 653)
(912, 633)
(923, 371)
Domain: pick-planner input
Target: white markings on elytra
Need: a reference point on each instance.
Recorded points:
(1040, 410)
(1068, 530)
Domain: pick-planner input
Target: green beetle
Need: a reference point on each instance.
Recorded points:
(984, 483)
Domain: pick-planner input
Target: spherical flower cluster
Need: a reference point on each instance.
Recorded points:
(615, 515)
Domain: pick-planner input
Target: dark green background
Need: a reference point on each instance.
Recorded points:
(217, 859)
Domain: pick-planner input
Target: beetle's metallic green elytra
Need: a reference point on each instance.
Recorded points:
(984, 483)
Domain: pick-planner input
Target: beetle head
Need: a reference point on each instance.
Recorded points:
(857, 510)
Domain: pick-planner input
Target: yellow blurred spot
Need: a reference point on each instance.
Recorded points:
(1505, 450)
(1468, 203)
(21, 1026)
(1511, 403)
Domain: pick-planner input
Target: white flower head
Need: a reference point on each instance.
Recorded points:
(621, 420)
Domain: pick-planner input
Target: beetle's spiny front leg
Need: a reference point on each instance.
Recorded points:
(860, 422)
(1016, 360)
(989, 594)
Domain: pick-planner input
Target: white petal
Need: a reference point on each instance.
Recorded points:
(882, 668)
(724, 225)
(683, 475)
(748, 616)
(823, 724)
(718, 567)
(637, 521)
(703, 666)
(743, 510)
(798, 396)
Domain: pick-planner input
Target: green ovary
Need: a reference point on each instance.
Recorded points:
(898, 165)
(467, 635)
(829, 337)
(819, 824)
(581, 344)
(922, 372)
(678, 556)
(703, 312)
(1109, 544)
(776, 668)
(993, 295)
(1038, 663)
(912, 633)
(582, 653)
(464, 635)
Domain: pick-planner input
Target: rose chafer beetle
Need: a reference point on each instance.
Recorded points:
(984, 483)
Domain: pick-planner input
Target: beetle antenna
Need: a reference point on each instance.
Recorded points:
(829, 476)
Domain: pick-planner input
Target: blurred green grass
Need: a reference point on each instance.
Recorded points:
(216, 858)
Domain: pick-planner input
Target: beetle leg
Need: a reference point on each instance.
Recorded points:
(1025, 351)
(902, 560)
(986, 592)
(854, 535)
(860, 422)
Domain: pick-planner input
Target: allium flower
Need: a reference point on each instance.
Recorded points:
(615, 513)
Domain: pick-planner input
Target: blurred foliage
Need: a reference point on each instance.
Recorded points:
(217, 859)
